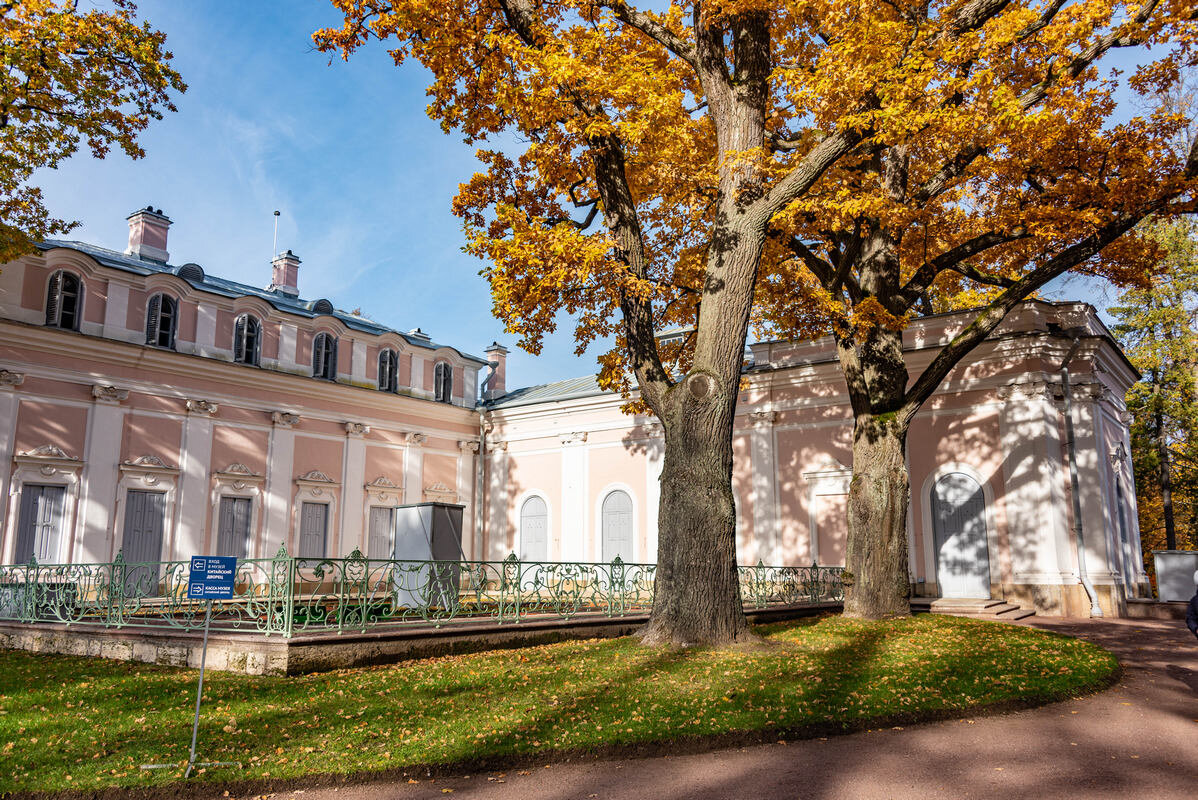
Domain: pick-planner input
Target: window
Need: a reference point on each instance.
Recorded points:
(388, 371)
(39, 527)
(162, 320)
(141, 544)
(63, 300)
(382, 521)
(247, 340)
(233, 535)
(617, 526)
(443, 382)
(324, 357)
(534, 530)
(314, 530)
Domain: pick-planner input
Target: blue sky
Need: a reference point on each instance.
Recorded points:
(345, 151)
(362, 176)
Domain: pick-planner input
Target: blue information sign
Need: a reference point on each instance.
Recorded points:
(212, 577)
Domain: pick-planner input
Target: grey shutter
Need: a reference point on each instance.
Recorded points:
(534, 530)
(142, 541)
(617, 526)
(318, 345)
(39, 523)
(314, 520)
(53, 296)
(153, 318)
(233, 534)
(332, 360)
(239, 340)
(381, 521)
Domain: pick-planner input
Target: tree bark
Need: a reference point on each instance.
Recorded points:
(697, 597)
(879, 494)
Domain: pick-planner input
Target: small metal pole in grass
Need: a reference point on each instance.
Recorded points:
(211, 577)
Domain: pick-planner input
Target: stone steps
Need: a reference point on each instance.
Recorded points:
(966, 607)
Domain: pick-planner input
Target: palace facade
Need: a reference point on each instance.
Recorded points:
(158, 411)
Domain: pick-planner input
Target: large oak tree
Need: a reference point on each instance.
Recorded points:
(815, 167)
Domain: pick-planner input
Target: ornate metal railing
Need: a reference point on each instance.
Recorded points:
(286, 595)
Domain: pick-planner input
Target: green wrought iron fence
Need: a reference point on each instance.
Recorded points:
(286, 595)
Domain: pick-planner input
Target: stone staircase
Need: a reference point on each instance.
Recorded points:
(963, 607)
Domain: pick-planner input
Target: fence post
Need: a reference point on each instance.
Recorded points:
(615, 597)
(116, 591)
(509, 582)
(279, 594)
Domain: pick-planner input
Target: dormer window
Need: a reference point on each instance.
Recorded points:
(443, 382)
(247, 340)
(324, 357)
(62, 300)
(388, 371)
(162, 320)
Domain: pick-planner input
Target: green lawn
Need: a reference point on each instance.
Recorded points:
(68, 722)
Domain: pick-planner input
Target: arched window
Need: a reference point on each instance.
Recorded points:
(443, 382)
(162, 320)
(617, 526)
(63, 300)
(324, 357)
(959, 526)
(388, 371)
(247, 340)
(534, 530)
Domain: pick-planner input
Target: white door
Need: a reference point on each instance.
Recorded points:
(962, 555)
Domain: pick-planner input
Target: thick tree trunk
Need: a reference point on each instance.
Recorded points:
(876, 554)
(697, 600)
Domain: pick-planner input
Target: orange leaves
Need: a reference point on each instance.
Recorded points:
(71, 75)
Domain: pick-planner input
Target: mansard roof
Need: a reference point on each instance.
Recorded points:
(285, 303)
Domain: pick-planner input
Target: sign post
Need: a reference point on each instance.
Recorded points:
(211, 578)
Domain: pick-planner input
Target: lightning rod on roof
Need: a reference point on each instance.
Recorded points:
(274, 248)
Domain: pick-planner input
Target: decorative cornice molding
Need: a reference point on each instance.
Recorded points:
(382, 489)
(468, 446)
(356, 429)
(104, 393)
(150, 470)
(762, 418)
(148, 462)
(315, 476)
(8, 378)
(239, 476)
(47, 451)
(202, 407)
(1048, 390)
(497, 445)
(439, 492)
(576, 437)
(49, 460)
(413, 438)
(284, 419)
(1118, 454)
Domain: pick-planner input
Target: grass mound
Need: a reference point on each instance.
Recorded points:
(75, 723)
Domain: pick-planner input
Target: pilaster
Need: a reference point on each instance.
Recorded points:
(413, 468)
(467, 461)
(765, 521)
(9, 402)
(278, 482)
(101, 474)
(570, 538)
(353, 482)
(195, 460)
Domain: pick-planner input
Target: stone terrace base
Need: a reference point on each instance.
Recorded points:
(256, 654)
(1156, 609)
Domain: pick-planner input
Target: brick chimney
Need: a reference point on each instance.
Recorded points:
(494, 386)
(285, 279)
(147, 235)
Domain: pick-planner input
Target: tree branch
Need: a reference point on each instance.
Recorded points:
(951, 260)
(653, 29)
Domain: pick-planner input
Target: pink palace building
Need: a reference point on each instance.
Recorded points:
(158, 411)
